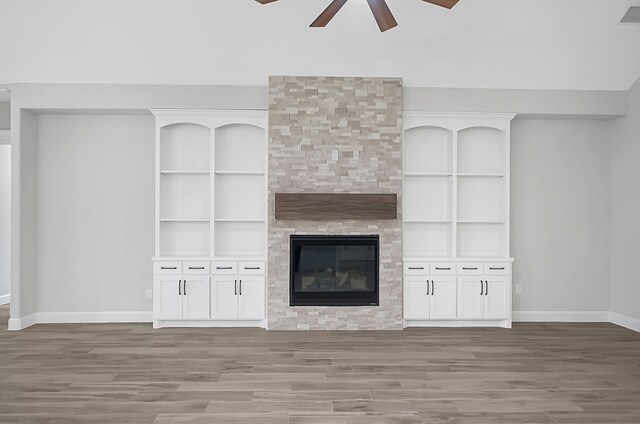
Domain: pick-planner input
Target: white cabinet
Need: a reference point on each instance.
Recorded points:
(237, 297)
(181, 297)
(430, 297)
(484, 298)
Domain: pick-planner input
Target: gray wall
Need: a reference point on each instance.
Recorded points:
(5, 115)
(5, 219)
(95, 212)
(560, 214)
(625, 203)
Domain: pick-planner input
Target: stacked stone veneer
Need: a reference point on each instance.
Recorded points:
(309, 117)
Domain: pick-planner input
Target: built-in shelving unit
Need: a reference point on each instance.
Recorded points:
(456, 201)
(211, 216)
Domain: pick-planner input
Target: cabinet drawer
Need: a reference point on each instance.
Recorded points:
(497, 268)
(443, 268)
(416, 268)
(197, 268)
(167, 267)
(223, 268)
(470, 268)
(251, 268)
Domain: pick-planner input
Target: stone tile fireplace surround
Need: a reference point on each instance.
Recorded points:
(309, 118)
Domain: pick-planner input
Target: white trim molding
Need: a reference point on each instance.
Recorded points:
(560, 316)
(5, 299)
(80, 318)
(624, 321)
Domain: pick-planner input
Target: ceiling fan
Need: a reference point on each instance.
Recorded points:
(380, 10)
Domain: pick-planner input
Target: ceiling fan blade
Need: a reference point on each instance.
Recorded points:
(383, 14)
(265, 1)
(328, 14)
(444, 3)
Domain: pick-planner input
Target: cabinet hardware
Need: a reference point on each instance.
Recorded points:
(433, 288)
(427, 287)
(240, 288)
(251, 267)
(443, 269)
(196, 267)
(486, 290)
(223, 267)
(235, 287)
(168, 267)
(481, 288)
(416, 267)
(470, 269)
(497, 269)
(179, 289)
(184, 287)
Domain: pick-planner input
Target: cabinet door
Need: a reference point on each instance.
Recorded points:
(443, 298)
(251, 297)
(224, 301)
(416, 300)
(470, 299)
(195, 299)
(167, 293)
(498, 297)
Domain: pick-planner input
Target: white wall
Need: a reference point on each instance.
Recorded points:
(95, 212)
(5, 220)
(560, 214)
(625, 215)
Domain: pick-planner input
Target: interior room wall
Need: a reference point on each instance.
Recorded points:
(5, 115)
(560, 214)
(95, 215)
(625, 210)
(5, 221)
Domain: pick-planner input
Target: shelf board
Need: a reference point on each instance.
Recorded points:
(480, 222)
(421, 221)
(427, 174)
(180, 172)
(239, 173)
(184, 220)
(238, 220)
(475, 175)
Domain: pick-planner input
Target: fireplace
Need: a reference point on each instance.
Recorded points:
(334, 270)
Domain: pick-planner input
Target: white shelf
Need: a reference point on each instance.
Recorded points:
(428, 174)
(184, 220)
(184, 172)
(420, 221)
(239, 173)
(469, 175)
(238, 220)
(480, 222)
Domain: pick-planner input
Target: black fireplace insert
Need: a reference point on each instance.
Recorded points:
(334, 270)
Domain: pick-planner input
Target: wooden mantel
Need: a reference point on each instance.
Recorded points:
(330, 206)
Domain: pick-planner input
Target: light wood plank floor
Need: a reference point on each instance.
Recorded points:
(129, 373)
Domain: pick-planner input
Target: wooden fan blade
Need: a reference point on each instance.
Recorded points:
(444, 3)
(328, 14)
(383, 14)
(265, 1)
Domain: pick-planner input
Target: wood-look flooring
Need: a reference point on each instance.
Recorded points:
(129, 373)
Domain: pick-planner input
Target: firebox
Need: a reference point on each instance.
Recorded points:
(334, 270)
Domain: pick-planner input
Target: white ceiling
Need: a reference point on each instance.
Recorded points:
(537, 44)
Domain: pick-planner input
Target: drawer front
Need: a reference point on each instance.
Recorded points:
(443, 268)
(224, 268)
(470, 268)
(416, 268)
(167, 268)
(195, 268)
(497, 268)
(251, 268)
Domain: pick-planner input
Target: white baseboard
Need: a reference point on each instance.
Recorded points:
(21, 323)
(625, 321)
(5, 299)
(560, 316)
(78, 318)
